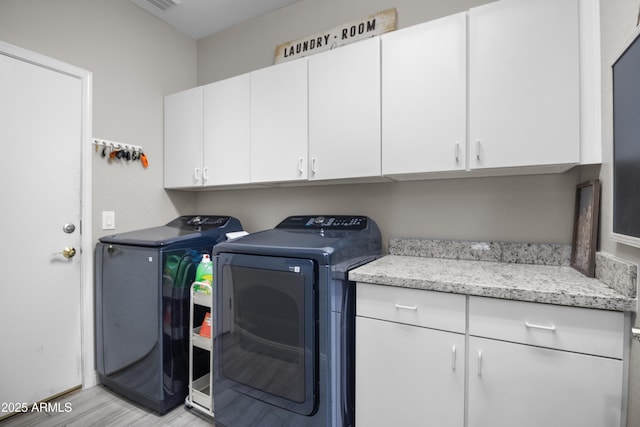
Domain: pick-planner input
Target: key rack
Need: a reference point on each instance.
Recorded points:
(116, 150)
(116, 145)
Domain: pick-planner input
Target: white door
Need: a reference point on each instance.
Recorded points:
(408, 376)
(524, 86)
(183, 139)
(279, 122)
(528, 386)
(227, 131)
(424, 88)
(344, 112)
(41, 134)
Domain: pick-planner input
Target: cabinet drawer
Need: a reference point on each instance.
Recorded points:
(581, 330)
(429, 309)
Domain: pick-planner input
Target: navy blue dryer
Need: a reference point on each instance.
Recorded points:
(142, 307)
(285, 320)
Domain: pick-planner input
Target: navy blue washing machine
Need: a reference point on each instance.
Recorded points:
(285, 322)
(143, 281)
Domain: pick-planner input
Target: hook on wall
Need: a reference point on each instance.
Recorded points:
(113, 145)
(118, 150)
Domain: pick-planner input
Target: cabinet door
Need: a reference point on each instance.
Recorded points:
(183, 139)
(526, 386)
(344, 112)
(227, 131)
(279, 125)
(408, 376)
(524, 103)
(424, 97)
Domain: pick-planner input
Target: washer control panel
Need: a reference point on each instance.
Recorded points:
(199, 222)
(333, 222)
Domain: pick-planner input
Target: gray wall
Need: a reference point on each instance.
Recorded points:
(534, 209)
(136, 59)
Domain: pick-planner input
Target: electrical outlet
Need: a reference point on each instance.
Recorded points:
(108, 220)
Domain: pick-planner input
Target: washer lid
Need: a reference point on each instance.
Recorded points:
(179, 229)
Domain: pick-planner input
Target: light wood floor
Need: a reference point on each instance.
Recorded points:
(99, 406)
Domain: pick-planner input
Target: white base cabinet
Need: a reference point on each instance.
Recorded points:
(524, 364)
(526, 386)
(410, 357)
(408, 375)
(544, 365)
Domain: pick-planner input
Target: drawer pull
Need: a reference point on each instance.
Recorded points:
(551, 328)
(453, 358)
(479, 363)
(407, 307)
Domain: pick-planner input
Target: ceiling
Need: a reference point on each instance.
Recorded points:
(201, 18)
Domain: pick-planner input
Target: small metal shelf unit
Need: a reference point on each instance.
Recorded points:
(200, 389)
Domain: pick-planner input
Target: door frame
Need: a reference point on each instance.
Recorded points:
(87, 331)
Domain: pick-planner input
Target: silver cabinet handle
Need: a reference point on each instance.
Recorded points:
(196, 174)
(313, 165)
(479, 363)
(204, 174)
(407, 307)
(457, 152)
(551, 327)
(478, 149)
(300, 165)
(453, 358)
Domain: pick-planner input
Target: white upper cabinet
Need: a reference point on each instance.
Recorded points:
(183, 139)
(279, 129)
(424, 81)
(227, 131)
(509, 87)
(344, 112)
(524, 88)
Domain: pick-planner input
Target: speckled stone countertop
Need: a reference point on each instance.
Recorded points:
(460, 267)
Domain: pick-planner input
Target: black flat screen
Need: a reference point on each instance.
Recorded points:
(626, 146)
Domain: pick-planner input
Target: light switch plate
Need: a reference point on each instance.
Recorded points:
(108, 220)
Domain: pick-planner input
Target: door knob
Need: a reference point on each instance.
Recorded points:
(68, 252)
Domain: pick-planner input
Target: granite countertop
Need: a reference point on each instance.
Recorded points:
(468, 272)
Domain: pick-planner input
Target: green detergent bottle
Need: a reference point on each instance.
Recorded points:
(204, 272)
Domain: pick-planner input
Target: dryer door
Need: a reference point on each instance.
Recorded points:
(267, 350)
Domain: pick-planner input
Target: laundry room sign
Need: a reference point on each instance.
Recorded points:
(349, 32)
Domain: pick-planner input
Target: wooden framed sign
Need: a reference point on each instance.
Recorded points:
(585, 228)
(359, 29)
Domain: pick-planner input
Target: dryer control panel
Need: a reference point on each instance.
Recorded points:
(333, 222)
(198, 222)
